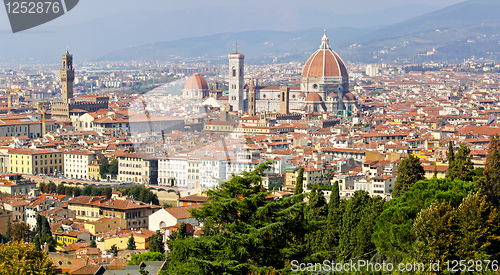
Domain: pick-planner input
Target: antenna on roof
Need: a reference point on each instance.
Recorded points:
(236, 46)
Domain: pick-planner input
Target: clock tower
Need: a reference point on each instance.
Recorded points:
(67, 74)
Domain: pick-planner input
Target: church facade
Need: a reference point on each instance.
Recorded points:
(324, 87)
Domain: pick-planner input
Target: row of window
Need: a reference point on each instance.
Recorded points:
(36, 162)
(36, 156)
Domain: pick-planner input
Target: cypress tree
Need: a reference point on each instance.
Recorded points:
(299, 189)
(491, 183)
(9, 228)
(131, 243)
(462, 165)
(334, 197)
(451, 153)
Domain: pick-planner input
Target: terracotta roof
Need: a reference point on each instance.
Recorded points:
(196, 82)
(313, 97)
(324, 63)
(182, 212)
(194, 198)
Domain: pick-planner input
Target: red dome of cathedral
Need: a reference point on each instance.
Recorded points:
(349, 96)
(313, 97)
(324, 62)
(196, 82)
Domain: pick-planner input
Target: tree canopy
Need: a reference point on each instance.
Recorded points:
(18, 258)
(148, 256)
(410, 170)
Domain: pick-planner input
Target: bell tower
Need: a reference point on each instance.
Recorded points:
(67, 74)
(251, 98)
(236, 80)
(285, 101)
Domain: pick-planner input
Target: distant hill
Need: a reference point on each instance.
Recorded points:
(452, 34)
(258, 46)
(456, 33)
(98, 36)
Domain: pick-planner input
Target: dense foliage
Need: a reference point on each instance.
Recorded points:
(156, 243)
(18, 258)
(247, 231)
(141, 193)
(43, 235)
(148, 256)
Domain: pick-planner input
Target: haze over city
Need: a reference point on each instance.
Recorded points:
(249, 138)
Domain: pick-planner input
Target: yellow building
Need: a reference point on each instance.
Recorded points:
(86, 207)
(105, 224)
(290, 178)
(141, 239)
(311, 176)
(441, 171)
(94, 170)
(70, 237)
(219, 126)
(35, 161)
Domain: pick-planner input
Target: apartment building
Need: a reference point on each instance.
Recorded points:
(212, 170)
(173, 171)
(35, 161)
(76, 163)
(134, 168)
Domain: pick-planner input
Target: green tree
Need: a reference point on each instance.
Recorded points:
(276, 185)
(444, 232)
(113, 167)
(334, 223)
(36, 243)
(87, 190)
(8, 230)
(114, 250)
(43, 233)
(93, 244)
(51, 187)
(77, 191)
(104, 167)
(108, 192)
(18, 258)
(156, 243)
(68, 191)
(131, 243)
(358, 221)
(243, 231)
(461, 167)
(43, 187)
(20, 232)
(299, 188)
(491, 183)
(317, 208)
(451, 154)
(61, 189)
(334, 197)
(96, 191)
(410, 170)
(148, 256)
(394, 234)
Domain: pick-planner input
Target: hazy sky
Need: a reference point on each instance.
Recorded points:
(97, 27)
(90, 9)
